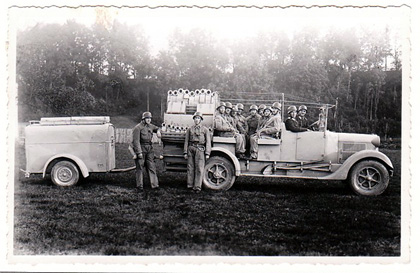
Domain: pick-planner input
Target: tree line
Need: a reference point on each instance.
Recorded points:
(74, 69)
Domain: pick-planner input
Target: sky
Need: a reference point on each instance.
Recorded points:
(227, 23)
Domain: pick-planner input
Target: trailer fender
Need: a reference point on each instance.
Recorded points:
(82, 166)
(342, 172)
(231, 156)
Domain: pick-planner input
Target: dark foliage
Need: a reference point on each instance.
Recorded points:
(72, 69)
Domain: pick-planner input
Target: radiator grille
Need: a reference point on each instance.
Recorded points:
(348, 149)
(353, 147)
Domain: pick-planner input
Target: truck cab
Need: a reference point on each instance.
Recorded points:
(318, 154)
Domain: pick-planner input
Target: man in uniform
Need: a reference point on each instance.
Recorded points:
(301, 117)
(268, 127)
(228, 113)
(197, 148)
(143, 148)
(261, 110)
(241, 127)
(291, 122)
(241, 120)
(224, 128)
(252, 122)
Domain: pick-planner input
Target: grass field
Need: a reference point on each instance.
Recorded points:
(104, 215)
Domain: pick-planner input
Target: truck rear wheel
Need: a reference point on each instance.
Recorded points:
(369, 178)
(218, 174)
(65, 173)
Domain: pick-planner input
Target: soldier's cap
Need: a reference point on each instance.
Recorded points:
(146, 115)
(291, 109)
(240, 106)
(276, 105)
(303, 107)
(221, 104)
(228, 105)
(198, 114)
(253, 107)
(262, 106)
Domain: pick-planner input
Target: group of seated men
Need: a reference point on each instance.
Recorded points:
(262, 122)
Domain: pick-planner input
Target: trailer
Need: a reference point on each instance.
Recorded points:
(70, 147)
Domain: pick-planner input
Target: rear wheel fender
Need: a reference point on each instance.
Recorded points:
(80, 164)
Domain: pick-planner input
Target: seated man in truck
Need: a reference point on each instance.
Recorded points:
(301, 117)
(291, 122)
(222, 127)
(252, 123)
(268, 128)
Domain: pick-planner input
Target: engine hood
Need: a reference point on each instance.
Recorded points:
(359, 138)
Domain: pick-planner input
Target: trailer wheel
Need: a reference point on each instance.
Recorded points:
(65, 173)
(218, 174)
(369, 177)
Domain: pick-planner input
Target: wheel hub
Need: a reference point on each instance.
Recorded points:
(368, 178)
(64, 174)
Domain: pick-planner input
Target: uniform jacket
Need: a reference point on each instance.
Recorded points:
(221, 124)
(302, 121)
(200, 135)
(143, 134)
(293, 125)
(272, 126)
(241, 124)
(252, 122)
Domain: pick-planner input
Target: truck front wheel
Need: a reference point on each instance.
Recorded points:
(65, 173)
(218, 174)
(369, 177)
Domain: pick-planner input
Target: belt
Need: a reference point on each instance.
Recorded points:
(196, 144)
(145, 143)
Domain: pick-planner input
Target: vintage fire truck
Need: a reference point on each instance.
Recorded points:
(68, 147)
(320, 155)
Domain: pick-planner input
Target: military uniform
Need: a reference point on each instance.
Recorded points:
(302, 121)
(197, 145)
(142, 145)
(242, 124)
(223, 128)
(252, 123)
(293, 125)
(269, 127)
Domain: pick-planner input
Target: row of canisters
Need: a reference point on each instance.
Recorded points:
(193, 96)
(173, 128)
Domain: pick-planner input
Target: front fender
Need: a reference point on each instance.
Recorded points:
(231, 156)
(342, 172)
(78, 161)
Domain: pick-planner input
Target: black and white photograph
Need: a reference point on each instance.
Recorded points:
(200, 134)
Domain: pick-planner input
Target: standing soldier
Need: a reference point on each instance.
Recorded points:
(143, 148)
(197, 147)
(301, 118)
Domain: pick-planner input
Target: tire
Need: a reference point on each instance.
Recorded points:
(65, 173)
(219, 174)
(369, 178)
